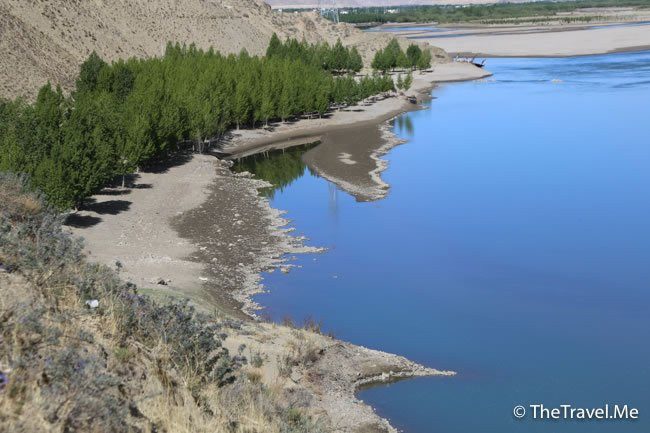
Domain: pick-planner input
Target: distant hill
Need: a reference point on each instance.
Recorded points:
(43, 41)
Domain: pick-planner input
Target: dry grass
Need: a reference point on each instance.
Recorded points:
(127, 365)
(20, 205)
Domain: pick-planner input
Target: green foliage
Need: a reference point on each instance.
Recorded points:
(413, 54)
(275, 47)
(400, 82)
(408, 81)
(126, 113)
(392, 56)
(337, 59)
(424, 62)
(90, 72)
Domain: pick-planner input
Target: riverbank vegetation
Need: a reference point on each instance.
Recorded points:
(84, 351)
(337, 59)
(393, 57)
(486, 14)
(123, 114)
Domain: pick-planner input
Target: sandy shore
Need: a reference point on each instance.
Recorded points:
(226, 241)
(539, 41)
(193, 229)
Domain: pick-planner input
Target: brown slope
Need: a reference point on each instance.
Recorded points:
(46, 40)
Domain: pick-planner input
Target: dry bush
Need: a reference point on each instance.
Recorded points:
(129, 365)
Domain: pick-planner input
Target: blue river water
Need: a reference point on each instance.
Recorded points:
(513, 247)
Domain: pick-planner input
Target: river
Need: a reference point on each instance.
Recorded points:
(513, 247)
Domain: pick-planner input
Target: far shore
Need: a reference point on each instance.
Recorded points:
(553, 40)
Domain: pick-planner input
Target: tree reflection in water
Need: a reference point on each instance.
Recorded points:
(279, 167)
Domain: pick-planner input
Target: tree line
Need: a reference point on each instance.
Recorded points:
(337, 59)
(123, 114)
(393, 57)
(487, 12)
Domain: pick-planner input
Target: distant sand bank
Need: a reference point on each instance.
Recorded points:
(539, 41)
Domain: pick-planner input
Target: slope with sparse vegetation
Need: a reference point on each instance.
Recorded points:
(81, 351)
(43, 41)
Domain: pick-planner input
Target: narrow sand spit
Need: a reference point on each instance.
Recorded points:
(351, 158)
(364, 143)
(352, 143)
(542, 41)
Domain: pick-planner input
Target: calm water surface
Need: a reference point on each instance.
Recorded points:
(514, 248)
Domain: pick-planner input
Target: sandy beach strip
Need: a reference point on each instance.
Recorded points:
(559, 41)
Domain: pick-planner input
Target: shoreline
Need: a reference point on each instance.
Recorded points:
(218, 264)
(246, 142)
(538, 40)
(631, 49)
(195, 229)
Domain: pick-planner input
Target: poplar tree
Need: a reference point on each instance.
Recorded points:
(413, 53)
(275, 46)
(89, 73)
(356, 62)
(408, 81)
(424, 62)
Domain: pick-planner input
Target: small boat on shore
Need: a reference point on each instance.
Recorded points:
(412, 99)
(477, 64)
(472, 61)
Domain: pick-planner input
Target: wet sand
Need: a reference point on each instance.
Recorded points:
(353, 140)
(351, 159)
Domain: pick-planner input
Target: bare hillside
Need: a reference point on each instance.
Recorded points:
(46, 40)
